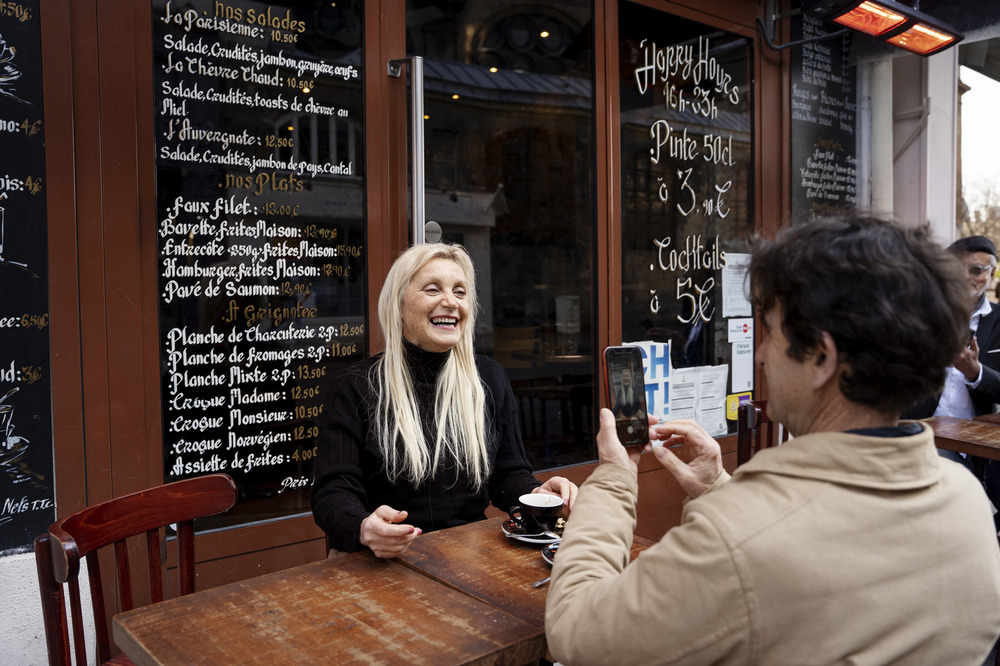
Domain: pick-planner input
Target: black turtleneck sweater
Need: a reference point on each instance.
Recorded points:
(350, 478)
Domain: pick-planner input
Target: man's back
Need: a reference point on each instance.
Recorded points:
(853, 543)
(859, 550)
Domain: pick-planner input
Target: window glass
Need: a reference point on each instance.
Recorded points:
(687, 211)
(510, 170)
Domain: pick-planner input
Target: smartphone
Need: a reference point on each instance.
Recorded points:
(626, 391)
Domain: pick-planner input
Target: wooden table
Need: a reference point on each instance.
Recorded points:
(479, 560)
(459, 596)
(354, 609)
(977, 437)
(989, 418)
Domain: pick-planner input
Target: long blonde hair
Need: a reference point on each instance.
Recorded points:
(459, 403)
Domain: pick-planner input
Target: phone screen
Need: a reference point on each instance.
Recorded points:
(626, 392)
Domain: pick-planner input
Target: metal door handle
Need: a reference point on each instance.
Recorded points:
(395, 70)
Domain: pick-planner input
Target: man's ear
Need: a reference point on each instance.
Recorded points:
(826, 361)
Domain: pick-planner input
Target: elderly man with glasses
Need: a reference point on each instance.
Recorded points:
(972, 386)
(973, 382)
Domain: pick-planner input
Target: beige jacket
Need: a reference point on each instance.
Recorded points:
(830, 549)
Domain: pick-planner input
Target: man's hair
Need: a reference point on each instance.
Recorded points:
(892, 299)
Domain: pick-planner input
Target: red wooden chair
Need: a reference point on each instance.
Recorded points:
(86, 532)
(754, 431)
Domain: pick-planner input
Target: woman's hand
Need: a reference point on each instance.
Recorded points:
(562, 487)
(382, 533)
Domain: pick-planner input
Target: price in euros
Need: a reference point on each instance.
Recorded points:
(289, 288)
(304, 412)
(339, 350)
(333, 270)
(314, 231)
(699, 304)
(284, 37)
(304, 371)
(303, 392)
(305, 454)
(305, 432)
(302, 84)
(271, 208)
(16, 9)
(30, 374)
(31, 129)
(35, 320)
(272, 141)
(351, 329)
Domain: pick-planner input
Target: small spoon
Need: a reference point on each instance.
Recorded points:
(540, 582)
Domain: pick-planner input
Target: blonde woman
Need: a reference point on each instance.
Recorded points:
(626, 405)
(424, 435)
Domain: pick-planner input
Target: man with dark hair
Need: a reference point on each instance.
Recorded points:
(853, 542)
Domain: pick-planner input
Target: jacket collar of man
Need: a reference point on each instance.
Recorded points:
(887, 463)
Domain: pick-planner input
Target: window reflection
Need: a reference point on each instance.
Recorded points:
(510, 170)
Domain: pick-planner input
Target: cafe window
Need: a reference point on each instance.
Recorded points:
(687, 211)
(509, 133)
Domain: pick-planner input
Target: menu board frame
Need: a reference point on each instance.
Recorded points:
(27, 483)
(260, 237)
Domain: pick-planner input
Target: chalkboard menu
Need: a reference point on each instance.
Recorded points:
(260, 235)
(824, 172)
(687, 207)
(27, 491)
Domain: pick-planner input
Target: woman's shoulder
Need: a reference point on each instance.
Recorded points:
(355, 375)
(362, 366)
(489, 367)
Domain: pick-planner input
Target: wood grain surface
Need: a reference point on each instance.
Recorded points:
(479, 560)
(354, 609)
(978, 437)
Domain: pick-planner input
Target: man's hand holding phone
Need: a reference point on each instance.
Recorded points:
(609, 446)
(702, 452)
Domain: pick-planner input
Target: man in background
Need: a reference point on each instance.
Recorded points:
(854, 542)
(972, 385)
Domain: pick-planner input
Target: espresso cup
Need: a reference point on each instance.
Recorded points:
(537, 512)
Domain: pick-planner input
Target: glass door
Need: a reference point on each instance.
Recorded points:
(510, 163)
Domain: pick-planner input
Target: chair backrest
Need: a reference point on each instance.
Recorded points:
(84, 533)
(754, 431)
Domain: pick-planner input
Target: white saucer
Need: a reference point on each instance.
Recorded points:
(511, 531)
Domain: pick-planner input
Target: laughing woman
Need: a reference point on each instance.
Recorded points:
(424, 435)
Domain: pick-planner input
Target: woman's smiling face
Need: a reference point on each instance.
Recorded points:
(435, 306)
